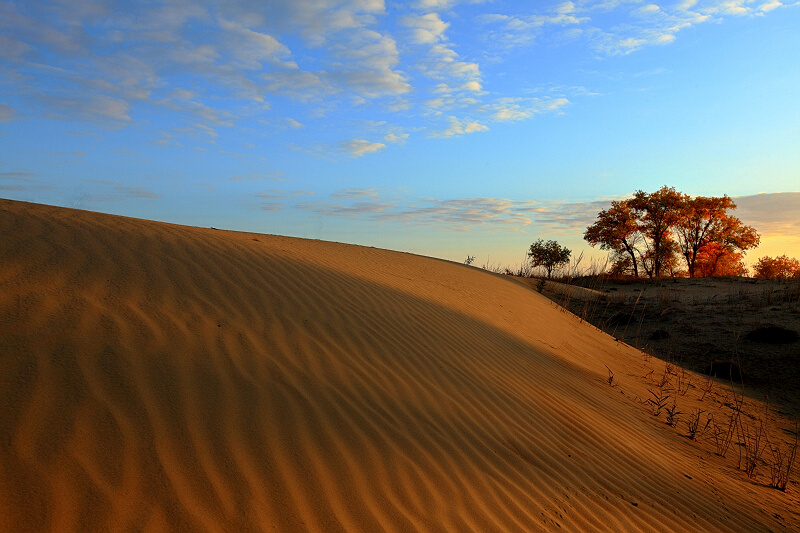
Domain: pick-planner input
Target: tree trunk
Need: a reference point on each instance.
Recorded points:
(633, 259)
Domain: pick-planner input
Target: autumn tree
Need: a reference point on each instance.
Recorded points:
(704, 225)
(653, 231)
(657, 213)
(716, 259)
(617, 229)
(777, 267)
(549, 255)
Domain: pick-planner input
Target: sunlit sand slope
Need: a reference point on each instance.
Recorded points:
(164, 378)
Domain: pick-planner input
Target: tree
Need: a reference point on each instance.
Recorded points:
(704, 222)
(616, 229)
(653, 231)
(549, 255)
(657, 214)
(715, 259)
(778, 267)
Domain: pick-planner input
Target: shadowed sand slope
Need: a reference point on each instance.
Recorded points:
(166, 378)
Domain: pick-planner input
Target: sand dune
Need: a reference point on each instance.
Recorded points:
(166, 378)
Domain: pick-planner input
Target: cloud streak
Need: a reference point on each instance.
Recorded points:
(460, 214)
(774, 214)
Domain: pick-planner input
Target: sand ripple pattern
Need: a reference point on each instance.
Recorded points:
(165, 378)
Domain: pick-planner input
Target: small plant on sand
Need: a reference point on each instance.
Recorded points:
(658, 401)
(469, 260)
(782, 462)
(665, 378)
(693, 424)
(540, 284)
(707, 386)
(723, 436)
(752, 438)
(672, 414)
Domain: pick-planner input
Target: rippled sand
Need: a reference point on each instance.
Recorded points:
(165, 378)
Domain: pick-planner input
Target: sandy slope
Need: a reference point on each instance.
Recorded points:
(165, 378)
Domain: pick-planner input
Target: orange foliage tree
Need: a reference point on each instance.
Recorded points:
(777, 267)
(657, 213)
(654, 230)
(705, 229)
(617, 230)
(714, 259)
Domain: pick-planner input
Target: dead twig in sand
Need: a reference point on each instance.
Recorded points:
(723, 436)
(684, 381)
(610, 376)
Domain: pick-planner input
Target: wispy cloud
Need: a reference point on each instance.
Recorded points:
(274, 200)
(516, 30)
(460, 214)
(521, 108)
(112, 191)
(775, 213)
(356, 194)
(7, 113)
(634, 24)
(11, 181)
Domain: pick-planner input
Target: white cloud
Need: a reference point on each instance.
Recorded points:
(769, 6)
(425, 29)
(649, 8)
(360, 147)
(433, 5)
(458, 127)
(516, 30)
(472, 86)
(566, 8)
(218, 64)
(444, 63)
(251, 48)
(522, 108)
(396, 137)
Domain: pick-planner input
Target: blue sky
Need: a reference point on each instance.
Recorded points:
(441, 127)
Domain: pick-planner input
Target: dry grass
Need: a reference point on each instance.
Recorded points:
(705, 324)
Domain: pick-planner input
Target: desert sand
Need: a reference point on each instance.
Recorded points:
(157, 377)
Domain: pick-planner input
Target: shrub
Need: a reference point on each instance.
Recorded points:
(781, 267)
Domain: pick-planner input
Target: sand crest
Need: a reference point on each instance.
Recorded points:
(165, 378)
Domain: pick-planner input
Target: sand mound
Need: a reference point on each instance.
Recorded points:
(166, 378)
